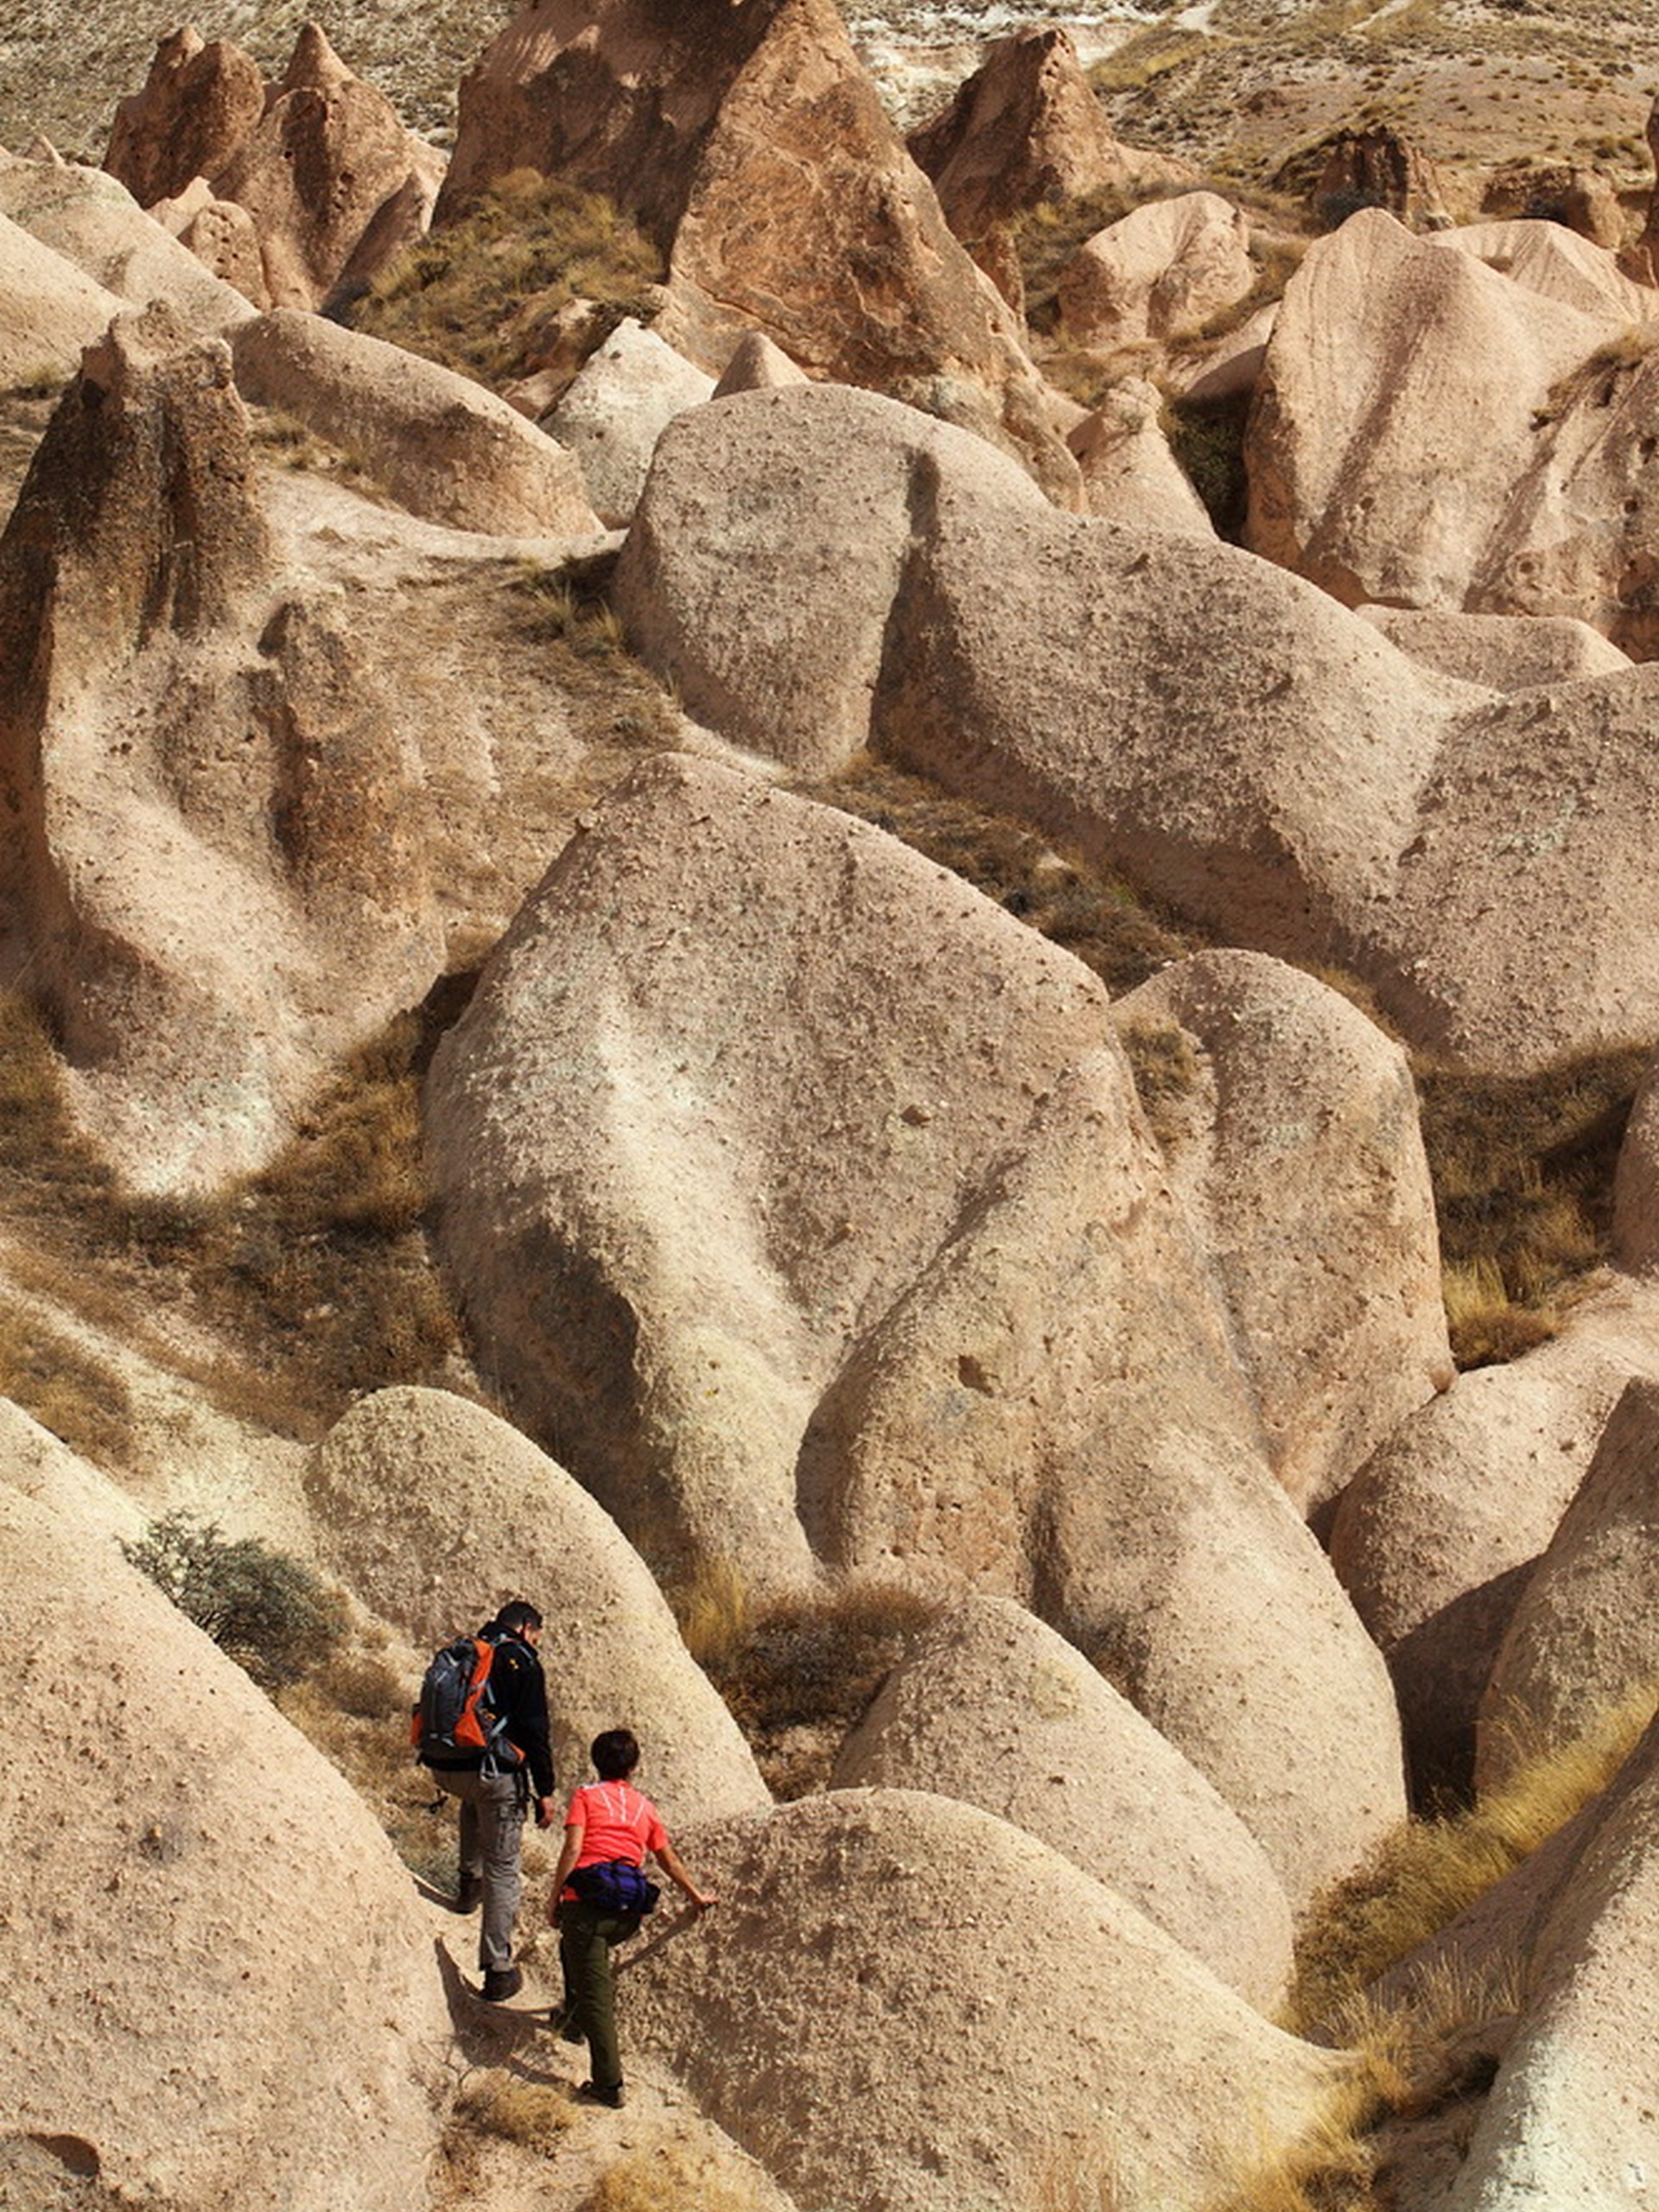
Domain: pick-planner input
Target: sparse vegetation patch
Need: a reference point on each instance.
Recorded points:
(267, 1610)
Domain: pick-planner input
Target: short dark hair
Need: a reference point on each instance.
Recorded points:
(517, 1614)
(615, 1754)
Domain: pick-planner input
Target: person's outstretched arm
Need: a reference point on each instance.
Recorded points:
(674, 1866)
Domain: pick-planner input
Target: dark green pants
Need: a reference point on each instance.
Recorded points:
(586, 1935)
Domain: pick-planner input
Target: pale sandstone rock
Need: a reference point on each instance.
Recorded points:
(70, 1488)
(49, 308)
(1523, 922)
(1523, 492)
(403, 216)
(953, 1934)
(1435, 1537)
(328, 153)
(1503, 652)
(762, 564)
(1570, 2121)
(177, 2002)
(630, 1073)
(429, 1507)
(198, 105)
(1158, 272)
(1583, 1637)
(1026, 128)
(756, 365)
(750, 141)
(1105, 1466)
(623, 398)
(215, 921)
(995, 1709)
(1301, 1113)
(1223, 368)
(441, 445)
(94, 222)
(1129, 475)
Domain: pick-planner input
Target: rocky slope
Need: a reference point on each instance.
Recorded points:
(481, 1109)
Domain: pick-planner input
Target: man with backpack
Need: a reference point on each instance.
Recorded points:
(481, 1726)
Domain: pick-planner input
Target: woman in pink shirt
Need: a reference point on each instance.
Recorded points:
(608, 1832)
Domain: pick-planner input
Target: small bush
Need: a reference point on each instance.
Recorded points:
(534, 2115)
(266, 1610)
(1207, 439)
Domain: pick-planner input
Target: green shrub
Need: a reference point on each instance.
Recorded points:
(267, 1611)
(1207, 439)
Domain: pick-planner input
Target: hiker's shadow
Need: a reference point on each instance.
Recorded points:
(487, 2035)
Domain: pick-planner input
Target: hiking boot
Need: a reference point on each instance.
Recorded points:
(615, 2098)
(468, 1889)
(502, 1982)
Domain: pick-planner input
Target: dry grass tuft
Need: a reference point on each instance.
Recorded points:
(1092, 913)
(671, 2177)
(475, 295)
(1166, 1069)
(799, 1673)
(537, 2115)
(1429, 1871)
(1523, 1169)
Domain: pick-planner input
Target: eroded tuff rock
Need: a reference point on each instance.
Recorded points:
(1570, 2119)
(176, 2005)
(49, 308)
(1377, 167)
(1129, 475)
(222, 236)
(199, 104)
(1583, 1637)
(1502, 652)
(1025, 128)
(616, 1091)
(1436, 1536)
(997, 1710)
(852, 2105)
(1289, 1107)
(1157, 273)
(751, 143)
(443, 447)
(429, 1507)
(239, 797)
(331, 183)
(1437, 427)
(621, 400)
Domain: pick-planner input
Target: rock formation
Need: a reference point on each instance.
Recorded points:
(1581, 1640)
(1502, 652)
(1377, 167)
(49, 309)
(621, 400)
(751, 144)
(876, 2104)
(200, 2035)
(1129, 475)
(430, 1507)
(199, 104)
(997, 1710)
(1157, 273)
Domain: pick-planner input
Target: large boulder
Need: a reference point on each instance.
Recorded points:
(620, 401)
(1157, 273)
(631, 1071)
(428, 1507)
(1502, 652)
(443, 447)
(1295, 1110)
(1459, 423)
(198, 105)
(1377, 167)
(1585, 1633)
(1129, 475)
(996, 1709)
(1435, 1537)
(185, 1958)
(982, 2021)
(749, 141)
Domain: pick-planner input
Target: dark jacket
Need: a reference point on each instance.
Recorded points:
(520, 1697)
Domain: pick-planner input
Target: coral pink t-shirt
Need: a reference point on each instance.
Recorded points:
(616, 1822)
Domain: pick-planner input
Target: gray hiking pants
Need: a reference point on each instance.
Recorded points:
(492, 1809)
